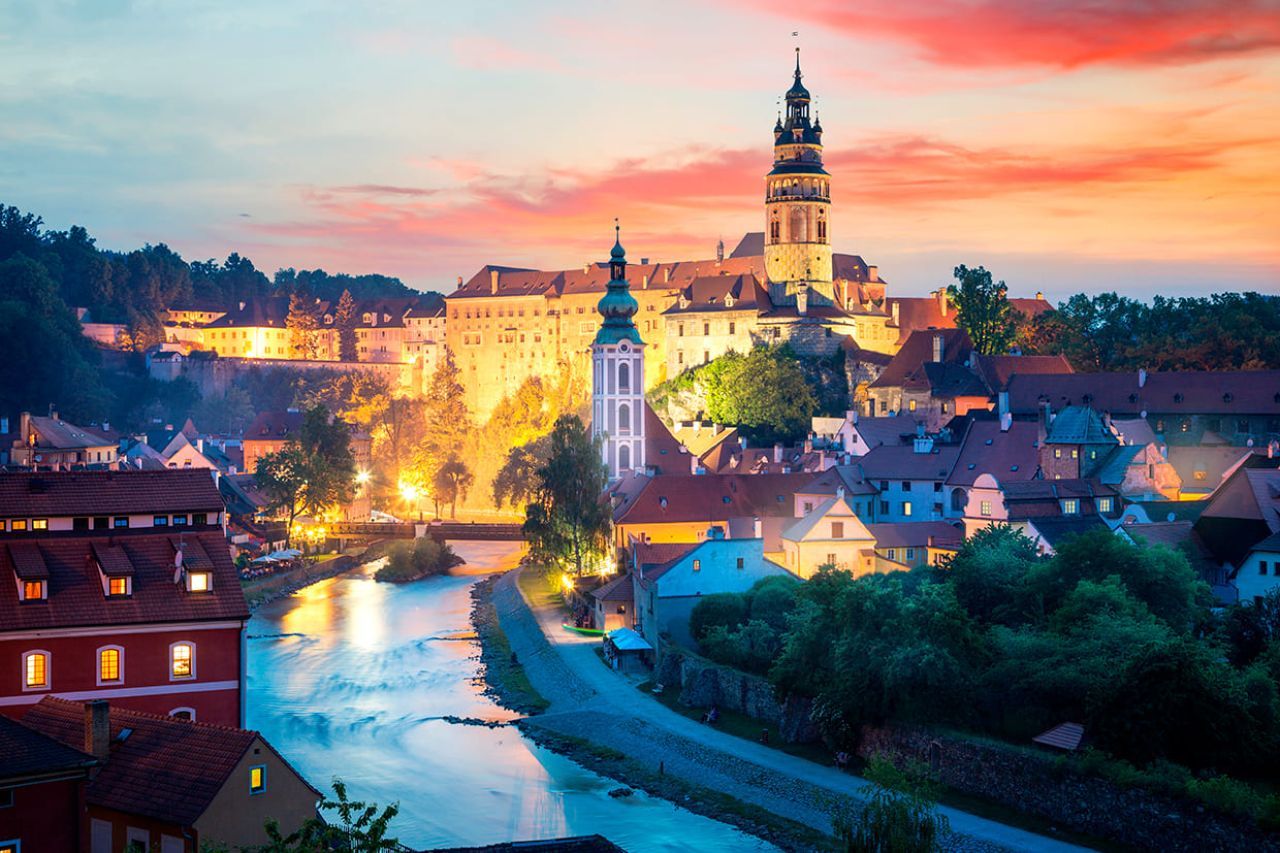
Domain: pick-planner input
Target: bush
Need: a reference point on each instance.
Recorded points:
(720, 610)
(423, 558)
(901, 815)
(1227, 795)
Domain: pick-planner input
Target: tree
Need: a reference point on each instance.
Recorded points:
(983, 310)
(901, 815)
(314, 471)
(303, 326)
(356, 827)
(446, 421)
(451, 483)
(764, 393)
(282, 476)
(567, 522)
(344, 321)
(516, 481)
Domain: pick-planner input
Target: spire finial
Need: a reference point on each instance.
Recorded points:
(797, 62)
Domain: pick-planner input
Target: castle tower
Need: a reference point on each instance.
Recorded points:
(797, 245)
(617, 373)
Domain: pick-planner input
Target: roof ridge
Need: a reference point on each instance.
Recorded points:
(162, 718)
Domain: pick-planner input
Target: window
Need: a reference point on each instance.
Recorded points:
(120, 521)
(831, 560)
(1057, 453)
(18, 524)
(911, 554)
(1070, 506)
(892, 554)
(808, 507)
(697, 565)
(1104, 504)
(906, 485)
(183, 713)
(986, 509)
(732, 327)
(742, 563)
(257, 779)
(35, 670)
(33, 590)
(109, 665)
(39, 524)
(837, 530)
(1262, 567)
(906, 508)
(182, 660)
(117, 586)
(200, 518)
(199, 581)
(1075, 453)
(160, 521)
(911, 405)
(884, 507)
(101, 523)
(80, 523)
(706, 329)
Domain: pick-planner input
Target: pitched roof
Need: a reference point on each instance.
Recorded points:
(907, 369)
(60, 435)
(1250, 493)
(1007, 455)
(712, 498)
(165, 768)
(1116, 465)
(274, 426)
(256, 313)
(1079, 425)
(1058, 529)
(902, 462)
(926, 312)
(661, 449)
(1271, 543)
(75, 591)
(1205, 467)
(1221, 392)
(26, 494)
(891, 429)
(917, 534)
(801, 526)
(950, 380)
(850, 477)
(742, 292)
(28, 752)
(618, 589)
(997, 370)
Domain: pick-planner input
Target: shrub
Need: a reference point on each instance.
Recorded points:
(1227, 795)
(722, 609)
(423, 558)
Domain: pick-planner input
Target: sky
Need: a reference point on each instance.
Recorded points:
(1128, 145)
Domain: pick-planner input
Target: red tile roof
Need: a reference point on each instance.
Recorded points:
(1221, 392)
(907, 369)
(916, 534)
(618, 589)
(1213, 463)
(166, 769)
(1009, 455)
(28, 752)
(75, 590)
(27, 494)
(274, 426)
(901, 462)
(997, 370)
(713, 498)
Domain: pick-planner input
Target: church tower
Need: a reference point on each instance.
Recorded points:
(797, 245)
(617, 373)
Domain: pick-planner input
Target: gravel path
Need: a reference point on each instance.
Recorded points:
(592, 702)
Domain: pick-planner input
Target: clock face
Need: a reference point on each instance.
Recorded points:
(623, 347)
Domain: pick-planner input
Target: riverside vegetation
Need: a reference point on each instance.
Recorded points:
(422, 558)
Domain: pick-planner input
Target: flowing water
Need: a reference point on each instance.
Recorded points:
(353, 678)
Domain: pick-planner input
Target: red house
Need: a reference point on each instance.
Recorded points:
(119, 585)
(41, 791)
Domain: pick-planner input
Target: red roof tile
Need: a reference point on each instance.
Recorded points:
(713, 498)
(901, 462)
(274, 426)
(87, 493)
(167, 769)
(75, 590)
(1221, 392)
(997, 370)
(916, 534)
(907, 369)
(1009, 455)
(28, 752)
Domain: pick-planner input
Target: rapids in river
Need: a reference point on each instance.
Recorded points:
(355, 679)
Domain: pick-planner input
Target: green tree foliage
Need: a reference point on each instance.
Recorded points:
(304, 326)
(567, 522)
(329, 287)
(746, 630)
(988, 571)
(344, 322)
(515, 483)
(764, 393)
(314, 471)
(451, 483)
(447, 422)
(983, 310)
(900, 816)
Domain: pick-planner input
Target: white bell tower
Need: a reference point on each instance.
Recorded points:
(617, 374)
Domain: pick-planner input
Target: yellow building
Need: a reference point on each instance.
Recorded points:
(832, 534)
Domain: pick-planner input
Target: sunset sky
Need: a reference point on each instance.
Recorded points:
(1121, 145)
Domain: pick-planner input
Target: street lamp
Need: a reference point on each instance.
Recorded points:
(411, 494)
(363, 477)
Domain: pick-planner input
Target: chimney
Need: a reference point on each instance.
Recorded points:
(873, 273)
(693, 465)
(896, 306)
(97, 729)
(493, 282)
(1142, 377)
(719, 252)
(459, 281)
(24, 426)
(941, 295)
(53, 411)
(808, 443)
(742, 442)
(802, 300)
(1006, 421)
(758, 528)
(1002, 403)
(242, 306)
(777, 452)
(938, 348)
(586, 268)
(1040, 295)
(644, 262)
(839, 493)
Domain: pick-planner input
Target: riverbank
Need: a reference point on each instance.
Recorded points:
(504, 677)
(261, 591)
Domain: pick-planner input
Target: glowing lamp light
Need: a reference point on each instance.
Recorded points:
(409, 492)
(363, 477)
(566, 582)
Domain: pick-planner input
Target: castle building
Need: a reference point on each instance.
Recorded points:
(617, 374)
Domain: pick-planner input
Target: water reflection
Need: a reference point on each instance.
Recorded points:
(352, 678)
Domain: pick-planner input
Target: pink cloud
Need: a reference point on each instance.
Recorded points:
(485, 53)
(1010, 33)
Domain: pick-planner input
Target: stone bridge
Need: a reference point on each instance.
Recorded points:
(441, 531)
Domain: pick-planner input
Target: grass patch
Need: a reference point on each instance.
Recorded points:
(514, 679)
(539, 587)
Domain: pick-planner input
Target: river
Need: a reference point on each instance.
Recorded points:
(351, 678)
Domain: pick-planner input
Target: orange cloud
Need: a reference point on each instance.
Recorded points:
(1003, 33)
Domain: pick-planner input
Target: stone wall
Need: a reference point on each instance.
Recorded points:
(702, 684)
(1036, 783)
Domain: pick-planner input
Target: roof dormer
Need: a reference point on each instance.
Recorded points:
(115, 571)
(30, 572)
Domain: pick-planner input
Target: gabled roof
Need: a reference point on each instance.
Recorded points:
(901, 462)
(1058, 529)
(28, 752)
(949, 380)
(997, 370)
(274, 426)
(805, 525)
(712, 498)
(1221, 392)
(75, 591)
(1007, 455)
(1270, 544)
(916, 534)
(165, 768)
(1113, 469)
(742, 292)
(892, 430)
(1079, 425)
(848, 477)
(661, 449)
(60, 435)
(1206, 467)
(618, 589)
(256, 313)
(907, 369)
(26, 494)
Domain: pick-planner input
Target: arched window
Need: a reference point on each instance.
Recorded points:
(624, 419)
(775, 230)
(182, 660)
(183, 713)
(958, 500)
(36, 670)
(110, 665)
(624, 458)
(799, 225)
(624, 377)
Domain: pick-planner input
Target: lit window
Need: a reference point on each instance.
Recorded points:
(986, 509)
(120, 522)
(198, 581)
(1071, 506)
(108, 665)
(39, 524)
(181, 657)
(117, 586)
(911, 405)
(257, 779)
(906, 508)
(697, 565)
(33, 590)
(18, 524)
(1104, 504)
(35, 671)
(1057, 453)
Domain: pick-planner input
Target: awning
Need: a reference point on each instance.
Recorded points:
(627, 640)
